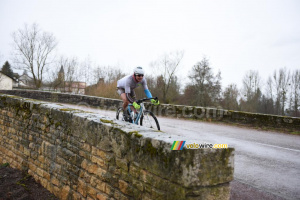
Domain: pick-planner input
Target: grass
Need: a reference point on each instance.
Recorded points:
(21, 181)
(4, 165)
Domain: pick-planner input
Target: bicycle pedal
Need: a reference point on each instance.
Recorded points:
(130, 120)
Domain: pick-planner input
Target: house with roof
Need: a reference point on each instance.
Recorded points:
(6, 82)
(26, 81)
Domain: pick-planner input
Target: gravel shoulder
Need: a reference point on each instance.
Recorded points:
(17, 185)
(244, 191)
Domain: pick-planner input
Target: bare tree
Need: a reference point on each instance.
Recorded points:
(281, 83)
(269, 88)
(53, 80)
(167, 66)
(86, 70)
(108, 74)
(106, 78)
(71, 73)
(32, 51)
(251, 92)
(295, 93)
(206, 85)
(251, 84)
(230, 97)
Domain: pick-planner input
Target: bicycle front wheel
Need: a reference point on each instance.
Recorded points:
(149, 120)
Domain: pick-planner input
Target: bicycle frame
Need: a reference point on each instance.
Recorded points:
(142, 116)
(139, 114)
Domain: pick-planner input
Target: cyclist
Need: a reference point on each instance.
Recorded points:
(126, 86)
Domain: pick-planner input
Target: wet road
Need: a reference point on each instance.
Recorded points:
(268, 161)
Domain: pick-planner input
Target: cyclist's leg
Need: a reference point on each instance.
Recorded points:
(122, 94)
(133, 96)
(125, 101)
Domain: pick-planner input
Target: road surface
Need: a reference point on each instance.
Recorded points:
(268, 161)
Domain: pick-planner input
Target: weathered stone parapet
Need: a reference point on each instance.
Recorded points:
(215, 114)
(79, 155)
(168, 110)
(90, 101)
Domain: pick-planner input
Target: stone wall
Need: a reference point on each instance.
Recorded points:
(79, 155)
(199, 113)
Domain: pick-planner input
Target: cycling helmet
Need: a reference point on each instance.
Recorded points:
(138, 70)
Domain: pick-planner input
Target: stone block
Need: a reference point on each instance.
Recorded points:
(86, 177)
(86, 147)
(46, 175)
(134, 171)
(106, 156)
(159, 195)
(44, 182)
(39, 172)
(65, 193)
(109, 189)
(76, 196)
(55, 181)
(100, 185)
(92, 192)
(125, 188)
(84, 164)
(146, 176)
(98, 161)
(122, 163)
(100, 173)
(82, 187)
(84, 154)
(56, 191)
(101, 196)
(93, 168)
(27, 151)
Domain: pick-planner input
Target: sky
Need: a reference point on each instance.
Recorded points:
(235, 35)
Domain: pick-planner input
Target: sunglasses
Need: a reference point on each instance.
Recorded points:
(140, 75)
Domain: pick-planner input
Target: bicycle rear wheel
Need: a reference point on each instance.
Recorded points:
(149, 120)
(119, 114)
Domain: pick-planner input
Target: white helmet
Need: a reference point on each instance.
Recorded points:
(138, 70)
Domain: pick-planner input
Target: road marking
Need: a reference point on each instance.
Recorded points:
(269, 145)
(278, 147)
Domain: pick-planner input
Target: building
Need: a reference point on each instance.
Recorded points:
(26, 81)
(16, 77)
(6, 83)
(74, 87)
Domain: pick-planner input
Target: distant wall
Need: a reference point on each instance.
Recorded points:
(180, 111)
(78, 155)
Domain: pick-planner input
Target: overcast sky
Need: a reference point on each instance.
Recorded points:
(235, 35)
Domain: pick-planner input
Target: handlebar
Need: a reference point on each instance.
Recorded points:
(145, 99)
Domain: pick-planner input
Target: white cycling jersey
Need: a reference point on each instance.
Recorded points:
(129, 83)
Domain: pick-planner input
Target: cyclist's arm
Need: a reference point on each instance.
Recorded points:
(148, 93)
(146, 90)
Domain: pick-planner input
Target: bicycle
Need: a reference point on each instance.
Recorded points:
(146, 117)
